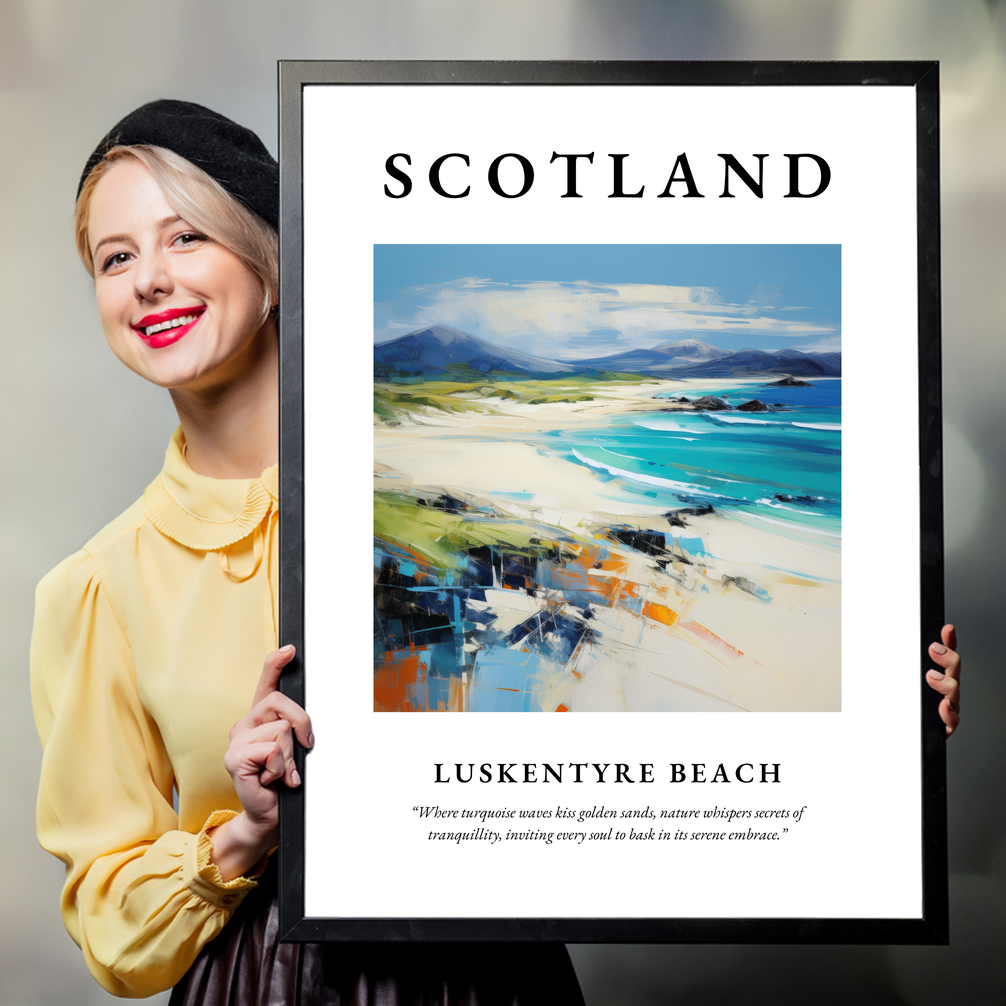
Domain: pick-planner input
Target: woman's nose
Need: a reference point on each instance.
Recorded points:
(152, 277)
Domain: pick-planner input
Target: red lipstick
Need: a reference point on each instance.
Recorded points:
(166, 329)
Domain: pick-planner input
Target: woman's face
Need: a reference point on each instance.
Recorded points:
(177, 308)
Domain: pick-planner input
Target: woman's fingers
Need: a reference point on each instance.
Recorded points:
(277, 706)
(946, 657)
(271, 671)
(261, 749)
(270, 703)
(946, 681)
(949, 636)
(277, 735)
(949, 688)
(949, 710)
(949, 660)
(260, 761)
(274, 766)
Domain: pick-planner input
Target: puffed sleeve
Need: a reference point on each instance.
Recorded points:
(141, 898)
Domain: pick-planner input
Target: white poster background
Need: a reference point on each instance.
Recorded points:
(856, 853)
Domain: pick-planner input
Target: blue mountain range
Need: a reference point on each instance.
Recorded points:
(440, 349)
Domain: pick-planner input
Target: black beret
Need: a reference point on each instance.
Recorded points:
(231, 154)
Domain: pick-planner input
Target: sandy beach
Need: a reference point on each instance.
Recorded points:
(697, 611)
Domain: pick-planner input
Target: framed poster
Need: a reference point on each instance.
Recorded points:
(613, 390)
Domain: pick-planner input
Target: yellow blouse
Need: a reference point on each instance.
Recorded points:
(147, 647)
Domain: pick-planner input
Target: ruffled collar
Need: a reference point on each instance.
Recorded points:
(203, 513)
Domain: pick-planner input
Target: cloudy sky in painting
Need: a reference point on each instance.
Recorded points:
(569, 302)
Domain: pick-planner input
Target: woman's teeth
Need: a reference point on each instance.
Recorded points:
(174, 323)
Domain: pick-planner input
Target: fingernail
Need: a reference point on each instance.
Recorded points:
(287, 649)
(295, 777)
(938, 648)
(936, 676)
(310, 740)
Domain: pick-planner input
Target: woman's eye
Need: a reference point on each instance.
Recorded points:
(114, 261)
(190, 238)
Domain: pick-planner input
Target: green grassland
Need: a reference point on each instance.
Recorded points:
(439, 533)
(479, 393)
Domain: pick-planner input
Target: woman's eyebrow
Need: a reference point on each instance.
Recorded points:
(160, 225)
(109, 240)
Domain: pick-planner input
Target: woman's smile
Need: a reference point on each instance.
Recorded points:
(167, 327)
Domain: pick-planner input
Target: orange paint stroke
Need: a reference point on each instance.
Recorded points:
(613, 566)
(617, 592)
(659, 612)
(560, 708)
(607, 587)
(399, 672)
(456, 699)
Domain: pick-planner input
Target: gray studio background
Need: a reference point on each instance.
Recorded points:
(82, 436)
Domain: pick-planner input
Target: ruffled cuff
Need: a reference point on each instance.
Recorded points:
(203, 878)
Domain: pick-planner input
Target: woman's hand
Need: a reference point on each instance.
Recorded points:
(947, 682)
(260, 753)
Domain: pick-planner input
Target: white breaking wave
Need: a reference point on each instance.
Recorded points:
(716, 417)
(666, 424)
(789, 509)
(650, 480)
(628, 457)
(793, 527)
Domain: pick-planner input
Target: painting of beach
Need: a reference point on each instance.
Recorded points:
(607, 478)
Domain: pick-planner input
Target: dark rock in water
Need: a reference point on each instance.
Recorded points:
(778, 405)
(681, 399)
(748, 586)
(401, 613)
(709, 404)
(679, 558)
(675, 519)
(755, 405)
(444, 502)
(698, 508)
(647, 542)
(789, 382)
(805, 500)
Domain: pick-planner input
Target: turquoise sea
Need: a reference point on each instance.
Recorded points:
(781, 469)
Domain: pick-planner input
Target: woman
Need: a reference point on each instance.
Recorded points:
(148, 643)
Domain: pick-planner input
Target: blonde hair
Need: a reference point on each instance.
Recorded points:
(199, 200)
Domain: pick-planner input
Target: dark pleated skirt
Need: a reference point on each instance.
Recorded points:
(246, 965)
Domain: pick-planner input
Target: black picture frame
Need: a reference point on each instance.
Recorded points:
(931, 927)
